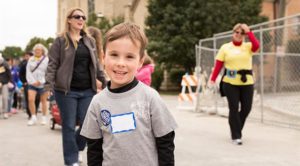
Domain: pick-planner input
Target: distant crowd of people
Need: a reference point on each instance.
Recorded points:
(14, 86)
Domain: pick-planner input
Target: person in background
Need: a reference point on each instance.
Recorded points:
(35, 76)
(11, 86)
(97, 35)
(75, 75)
(22, 75)
(237, 81)
(145, 72)
(15, 92)
(5, 79)
(128, 123)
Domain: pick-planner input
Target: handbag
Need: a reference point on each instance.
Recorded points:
(222, 93)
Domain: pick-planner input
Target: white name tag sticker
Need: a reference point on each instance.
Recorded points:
(122, 123)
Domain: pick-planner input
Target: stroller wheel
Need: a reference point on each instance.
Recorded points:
(52, 123)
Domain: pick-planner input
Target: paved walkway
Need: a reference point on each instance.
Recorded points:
(201, 140)
(281, 109)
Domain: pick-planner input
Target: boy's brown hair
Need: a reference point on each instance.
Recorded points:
(129, 30)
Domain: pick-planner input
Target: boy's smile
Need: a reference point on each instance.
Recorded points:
(122, 60)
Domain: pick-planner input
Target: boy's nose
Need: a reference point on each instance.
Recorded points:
(121, 62)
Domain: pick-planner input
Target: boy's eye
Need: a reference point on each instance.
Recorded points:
(113, 54)
(130, 56)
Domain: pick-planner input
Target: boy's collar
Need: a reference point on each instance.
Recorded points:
(124, 88)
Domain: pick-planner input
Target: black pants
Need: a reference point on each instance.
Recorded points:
(15, 100)
(235, 95)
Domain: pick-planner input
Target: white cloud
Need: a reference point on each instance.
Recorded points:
(22, 20)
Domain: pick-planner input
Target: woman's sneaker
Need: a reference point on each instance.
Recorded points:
(237, 142)
(14, 111)
(44, 120)
(6, 116)
(32, 121)
(80, 157)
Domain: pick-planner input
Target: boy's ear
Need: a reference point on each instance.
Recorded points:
(141, 62)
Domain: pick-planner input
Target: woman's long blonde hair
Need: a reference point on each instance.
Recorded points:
(96, 34)
(67, 28)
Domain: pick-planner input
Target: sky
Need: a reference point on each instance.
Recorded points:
(21, 20)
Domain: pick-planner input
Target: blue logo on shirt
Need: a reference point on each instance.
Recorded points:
(105, 117)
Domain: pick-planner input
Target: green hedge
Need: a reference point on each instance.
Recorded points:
(176, 76)
(157, 77)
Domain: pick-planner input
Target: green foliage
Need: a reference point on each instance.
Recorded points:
(36, 40)
(15, 52)
(103, 23)
(176, 75)
(12, 52)
(157, 77)
(92, 20)
(175, 26)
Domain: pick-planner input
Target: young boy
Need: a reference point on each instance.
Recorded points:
(127, 123)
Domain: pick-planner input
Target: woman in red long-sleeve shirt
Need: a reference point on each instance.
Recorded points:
(237, 81)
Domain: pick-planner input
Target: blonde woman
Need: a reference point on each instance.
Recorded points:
(75, 75)
(35, 75)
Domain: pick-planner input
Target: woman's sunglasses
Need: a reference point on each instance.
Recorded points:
(77, 17)
(238, 32)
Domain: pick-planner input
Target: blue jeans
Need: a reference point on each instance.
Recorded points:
(39, 91)
(10, 100)
(73, 107)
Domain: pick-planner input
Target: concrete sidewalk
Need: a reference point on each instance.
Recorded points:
(201, 140)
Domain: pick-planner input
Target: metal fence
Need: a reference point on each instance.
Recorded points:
(276, 68)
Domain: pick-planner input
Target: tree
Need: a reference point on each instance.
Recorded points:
(175, 26)
(92, 20)
(36, 40)
(12, 52)
(104, 24)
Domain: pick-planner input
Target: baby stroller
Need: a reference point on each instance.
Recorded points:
(55, 119)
